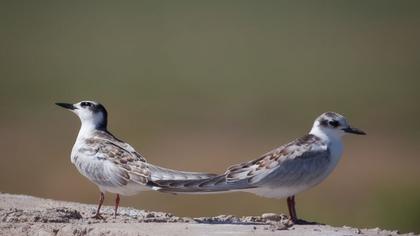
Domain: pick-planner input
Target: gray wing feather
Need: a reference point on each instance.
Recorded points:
(110, 139)
(102, 172)
(289, 163)
(293, 171)
(108, 161)
(161, 173)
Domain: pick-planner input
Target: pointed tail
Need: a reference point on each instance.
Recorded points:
(211, 184)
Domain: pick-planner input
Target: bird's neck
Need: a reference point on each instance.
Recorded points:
(88, 128)
(333, 140)
(326, 135)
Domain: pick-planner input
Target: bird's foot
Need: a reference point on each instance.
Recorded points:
(98, 216)
(303, 222)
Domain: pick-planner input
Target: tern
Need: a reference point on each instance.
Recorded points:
(110, 163)
(284, 171)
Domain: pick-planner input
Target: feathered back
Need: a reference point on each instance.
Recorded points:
(289, 163)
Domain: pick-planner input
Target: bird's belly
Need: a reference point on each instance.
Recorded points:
(280, 186)
(106, 176)
(278, 192)
(90, 167)
(127, 190)
(282, 191)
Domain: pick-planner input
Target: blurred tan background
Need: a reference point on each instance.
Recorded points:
(201, 85)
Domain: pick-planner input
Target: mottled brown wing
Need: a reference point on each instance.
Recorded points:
(111, 139)
(294, 152)
(114, 163)
(132, 167)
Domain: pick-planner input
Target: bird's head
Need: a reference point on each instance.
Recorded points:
(90, 113)
(334, 125)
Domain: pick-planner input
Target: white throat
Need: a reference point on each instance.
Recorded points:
(86, 129)
(90, 123)
(326, 134)
(333, 140)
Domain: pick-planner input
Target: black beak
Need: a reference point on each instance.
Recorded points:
(66, 105)
(354, 131)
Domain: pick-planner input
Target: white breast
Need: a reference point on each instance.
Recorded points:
(336, 150)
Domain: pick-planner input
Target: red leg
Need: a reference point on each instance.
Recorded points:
(292, 209)
(101, 200)
(117, 203)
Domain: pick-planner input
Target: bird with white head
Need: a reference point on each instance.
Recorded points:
(284, 171)
(110, 163)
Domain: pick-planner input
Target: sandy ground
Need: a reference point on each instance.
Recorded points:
(26, 215)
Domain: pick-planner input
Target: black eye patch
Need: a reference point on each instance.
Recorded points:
(323, 122)
(85, 104)
(334, 123)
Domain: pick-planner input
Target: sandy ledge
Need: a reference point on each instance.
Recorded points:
(27, 215)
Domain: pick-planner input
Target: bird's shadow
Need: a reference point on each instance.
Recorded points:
(304, 222)
(230, 223)
(254, 222)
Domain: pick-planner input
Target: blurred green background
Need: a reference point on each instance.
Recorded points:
(201, 85)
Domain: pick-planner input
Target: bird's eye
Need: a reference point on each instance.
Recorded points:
(85, 104)
(334, 123)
